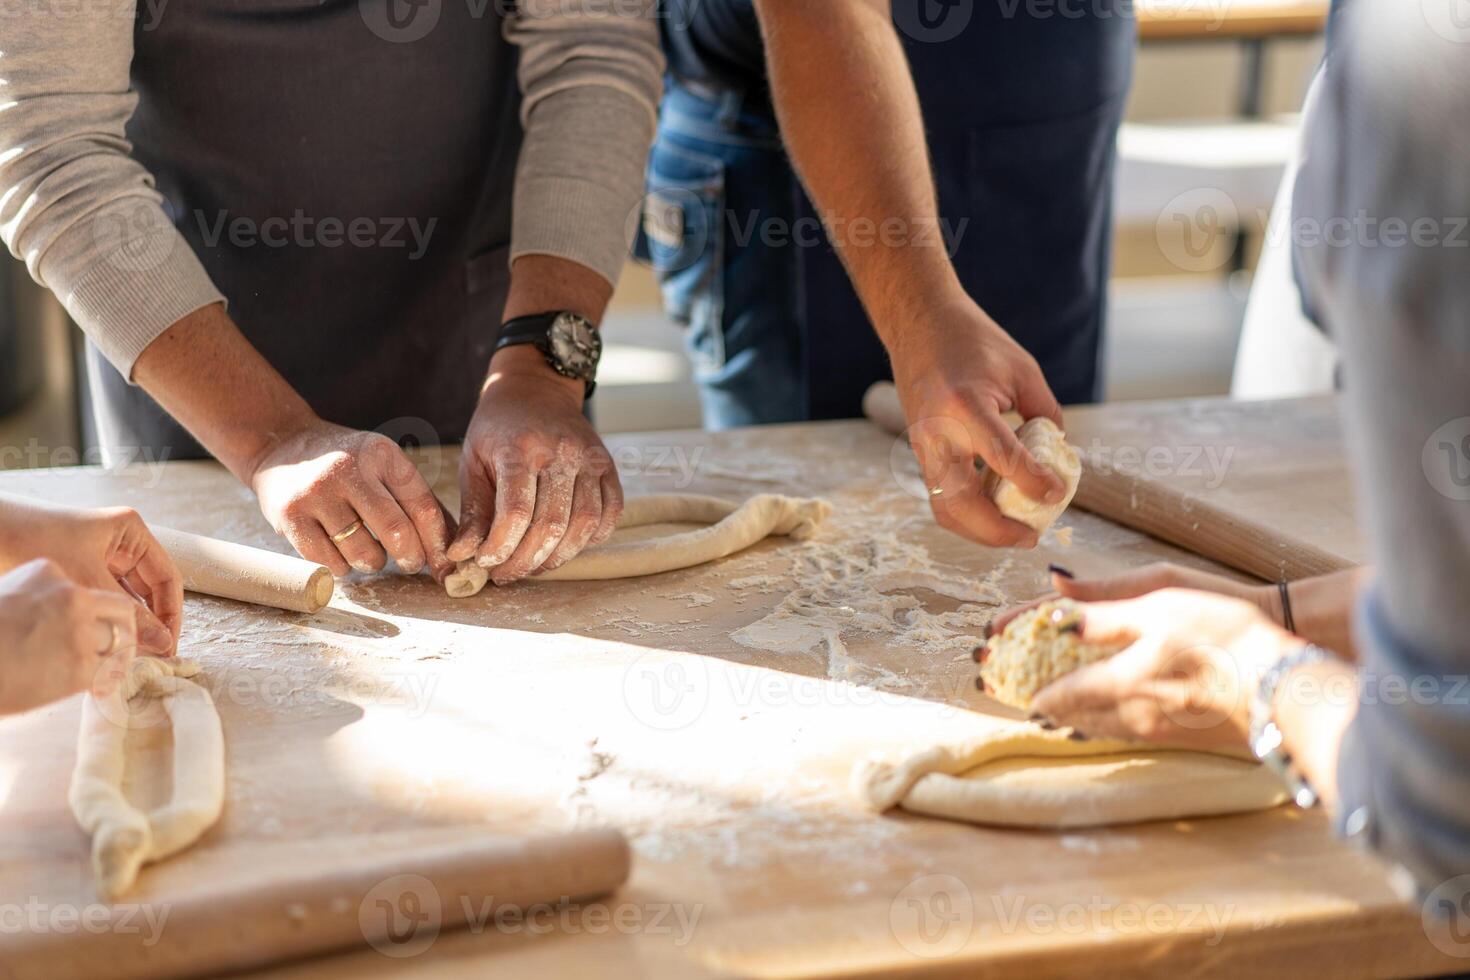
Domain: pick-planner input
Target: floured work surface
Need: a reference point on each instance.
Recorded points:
(713, 715)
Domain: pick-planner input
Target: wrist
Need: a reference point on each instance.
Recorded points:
(525, 362)
(260, 444)
(932, 308)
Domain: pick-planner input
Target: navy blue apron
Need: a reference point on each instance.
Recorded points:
(1022, 103)
(344, 170)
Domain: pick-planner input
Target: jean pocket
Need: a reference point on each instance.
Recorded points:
(680, 237)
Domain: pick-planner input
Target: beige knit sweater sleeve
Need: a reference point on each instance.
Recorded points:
(85, 218)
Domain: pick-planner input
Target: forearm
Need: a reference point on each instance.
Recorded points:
(1321, 608)
(546, 283)
(851, 121)
(204, 373)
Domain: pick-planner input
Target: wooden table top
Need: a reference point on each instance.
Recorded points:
(713, 715)
(1204, 20)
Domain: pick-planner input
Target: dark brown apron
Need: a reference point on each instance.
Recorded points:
(344, 170)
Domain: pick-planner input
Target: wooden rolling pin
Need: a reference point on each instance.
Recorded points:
(1189, 522)
(235, 571)
(881, 405)
(394, 902)
(1178, 518)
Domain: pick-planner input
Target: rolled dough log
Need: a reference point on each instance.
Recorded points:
(732, 527)
(1027, 777)
(124, 838)
(1036, 648)
(1044, 441)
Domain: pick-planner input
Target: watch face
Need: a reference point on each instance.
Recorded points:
(575, 345)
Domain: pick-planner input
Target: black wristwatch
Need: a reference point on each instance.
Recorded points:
(570, 343)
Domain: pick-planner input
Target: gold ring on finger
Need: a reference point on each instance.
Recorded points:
(341, 536)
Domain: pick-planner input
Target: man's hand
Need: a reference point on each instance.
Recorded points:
(324, 481)
(957, 372)
(537, 485)
(58, 638)
(109, 550)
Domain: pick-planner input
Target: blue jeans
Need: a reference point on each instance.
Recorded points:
(717, 226)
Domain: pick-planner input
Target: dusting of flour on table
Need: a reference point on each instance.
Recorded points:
(857, 585)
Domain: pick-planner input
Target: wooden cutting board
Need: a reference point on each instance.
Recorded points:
(700, 715)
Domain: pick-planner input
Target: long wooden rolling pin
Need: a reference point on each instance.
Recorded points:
(394, 902)
(235, 571)
(1178, 518)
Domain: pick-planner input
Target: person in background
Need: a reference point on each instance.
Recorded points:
(983, 297)
(80, 590)
(416, 213)
(1378, 726)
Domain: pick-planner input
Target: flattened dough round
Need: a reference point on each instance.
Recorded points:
(1046, 443)
(732, 527)
(1027, 777)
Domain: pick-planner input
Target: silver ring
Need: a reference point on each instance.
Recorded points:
(341, 536)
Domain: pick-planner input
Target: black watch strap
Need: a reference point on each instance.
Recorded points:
(536, 330)
(526, 330)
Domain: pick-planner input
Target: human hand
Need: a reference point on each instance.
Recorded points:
(1135, 582)
(58, 637)
(341, 497)
(1186, 678)
(956, 376)
(537, 484)
(108, 549)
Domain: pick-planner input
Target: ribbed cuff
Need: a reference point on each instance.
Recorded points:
(136, 289)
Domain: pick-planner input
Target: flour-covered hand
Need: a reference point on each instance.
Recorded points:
(341, 497)
(537, 484)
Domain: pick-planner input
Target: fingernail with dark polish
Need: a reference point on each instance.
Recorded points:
(1043, 721)
(1059, 570)
(1076, 736)
(989, 630)
(978, 654)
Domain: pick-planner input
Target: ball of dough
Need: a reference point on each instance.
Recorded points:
(1044, 441)
(1037, 647)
